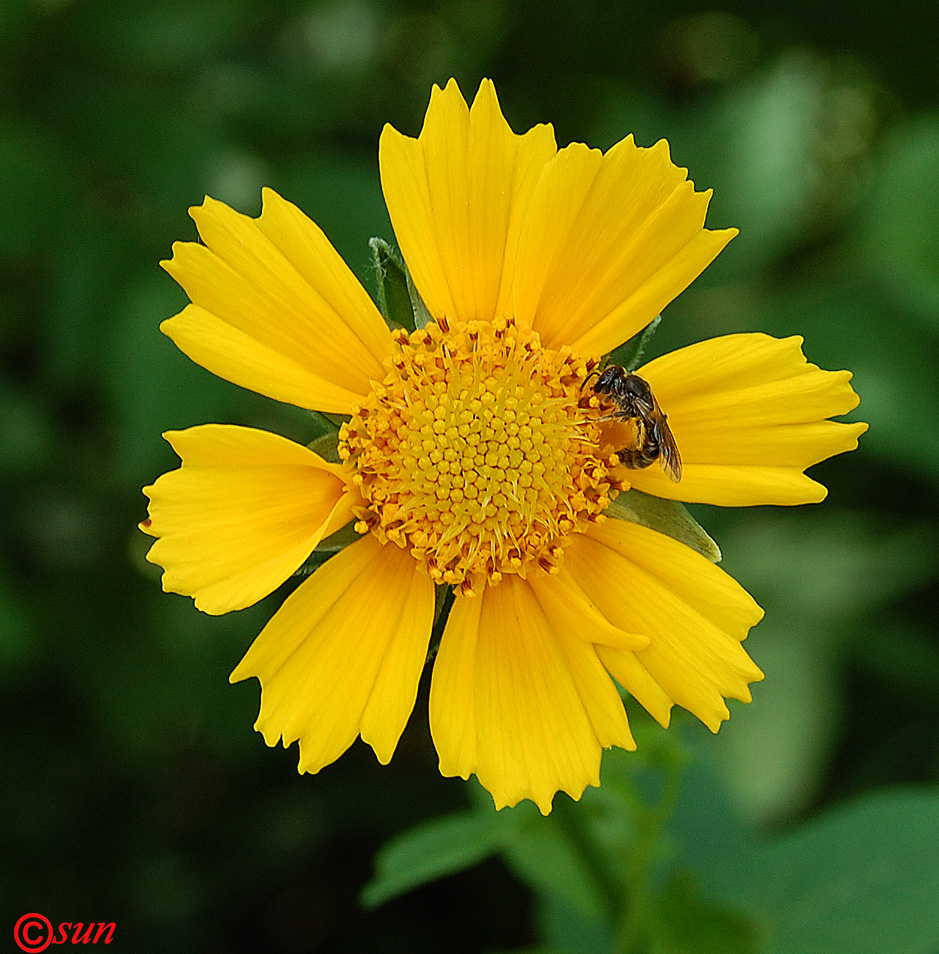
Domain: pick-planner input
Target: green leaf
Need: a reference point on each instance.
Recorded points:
(630, 353)
(861, 880)
(326, 446)
(543, 855)
(668, 517)
(398, 298)
(683, 921)
(422, 317)
(394, 298)
(433, 850)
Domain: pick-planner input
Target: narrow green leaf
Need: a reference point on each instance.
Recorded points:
(422, 316)
(430, 851)
(398, 298)
(668, 517)
(394, 297)
(629, 354)
(326, 445)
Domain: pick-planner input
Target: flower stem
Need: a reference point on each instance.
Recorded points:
(632, 917)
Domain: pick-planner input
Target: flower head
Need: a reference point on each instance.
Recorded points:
(475, 454)
(475, 458)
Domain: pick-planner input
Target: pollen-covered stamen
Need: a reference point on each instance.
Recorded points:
(474, 452)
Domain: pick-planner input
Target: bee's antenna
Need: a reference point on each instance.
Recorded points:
(589, 376)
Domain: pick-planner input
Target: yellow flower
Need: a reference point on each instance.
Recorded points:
(473, 457)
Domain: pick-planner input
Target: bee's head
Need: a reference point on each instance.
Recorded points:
(610, 380)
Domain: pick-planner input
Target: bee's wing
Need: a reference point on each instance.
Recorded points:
(668, 449)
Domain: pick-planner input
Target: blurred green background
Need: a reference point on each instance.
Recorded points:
(132, 787)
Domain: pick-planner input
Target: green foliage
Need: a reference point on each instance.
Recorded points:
(860, 878)
(863, 877)
(432, 850)
(392, 284)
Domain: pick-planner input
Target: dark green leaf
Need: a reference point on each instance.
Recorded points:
(398, 298)
(683, 921)
(394, 297)
(630, 353)
(430, 851)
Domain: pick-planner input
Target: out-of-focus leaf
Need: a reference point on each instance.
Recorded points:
(552, 865)
(860, 879)
(819, 575)
(685, 922)
(568, 931)
(774, 752)
(863, 879)
(903, 655)
(847, 564)
(900, 231)
(430, 851)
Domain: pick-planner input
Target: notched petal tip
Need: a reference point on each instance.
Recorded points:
(750, 414)
(610, 239)
(521, 702)
(342, 657)
(457, 195)
(242, 512)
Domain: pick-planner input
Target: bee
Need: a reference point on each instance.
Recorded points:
(635, 401)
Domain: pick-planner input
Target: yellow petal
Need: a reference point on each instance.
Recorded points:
(244, 510)
(455, 196)
(694, 615)
(748, 413)
(609, 240)
(277, 309)
(518, 700)
(342, 657)
(572, 611)
(238, 356)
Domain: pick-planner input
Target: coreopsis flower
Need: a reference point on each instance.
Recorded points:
(477, 461)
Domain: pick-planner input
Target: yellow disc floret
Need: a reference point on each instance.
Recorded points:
(477, 452)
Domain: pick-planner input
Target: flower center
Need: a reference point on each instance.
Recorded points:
(478, 452)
